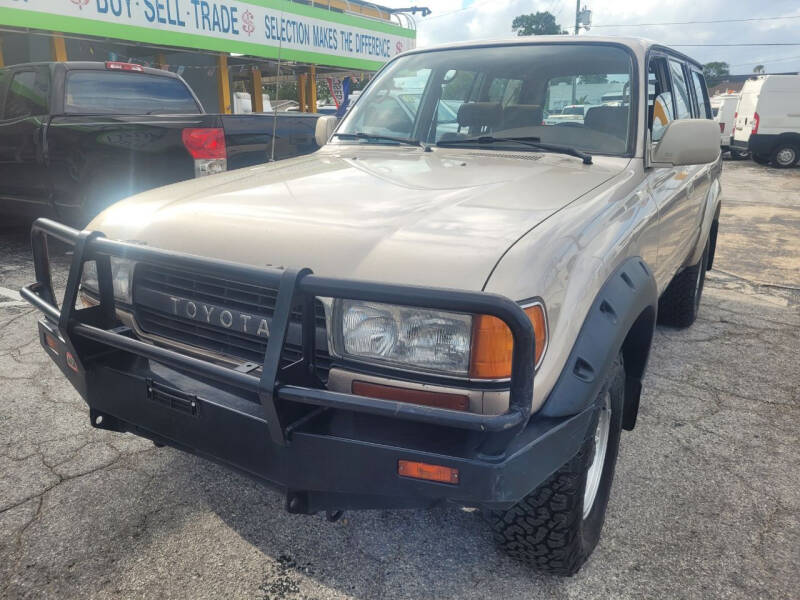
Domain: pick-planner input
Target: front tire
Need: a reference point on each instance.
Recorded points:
(784, 156)
(680, 302)
(555, 528)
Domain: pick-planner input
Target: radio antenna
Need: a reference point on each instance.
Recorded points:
(277, 97)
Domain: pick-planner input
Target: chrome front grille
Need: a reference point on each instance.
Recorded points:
(217, 315)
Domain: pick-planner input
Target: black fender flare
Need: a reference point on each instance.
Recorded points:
(621, 318)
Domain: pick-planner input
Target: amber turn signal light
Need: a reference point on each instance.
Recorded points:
(493, 344)
(421, 470)
(51, 343)
(398, 394)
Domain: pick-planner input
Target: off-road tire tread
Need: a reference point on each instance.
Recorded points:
(677, 306)
(540, 530)
(543, 529)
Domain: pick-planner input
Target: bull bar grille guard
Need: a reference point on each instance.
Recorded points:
(297, 289)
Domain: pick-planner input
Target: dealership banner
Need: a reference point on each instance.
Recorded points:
(266, 28)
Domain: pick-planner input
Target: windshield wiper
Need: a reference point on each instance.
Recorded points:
(388, 138)
(532, 142)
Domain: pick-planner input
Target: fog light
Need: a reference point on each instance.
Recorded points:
(71, 362)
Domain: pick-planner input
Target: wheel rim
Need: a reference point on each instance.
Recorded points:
(698, 285)
(785, 156)
(595, 473)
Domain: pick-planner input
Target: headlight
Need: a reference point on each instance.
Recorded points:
(121, 272)
(478, 346)
(403, 335)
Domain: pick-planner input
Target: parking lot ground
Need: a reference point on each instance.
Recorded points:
(706, 502)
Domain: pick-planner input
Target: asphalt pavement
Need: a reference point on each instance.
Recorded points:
(705, 504)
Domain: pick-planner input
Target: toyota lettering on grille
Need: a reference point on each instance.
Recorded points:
(219, 316)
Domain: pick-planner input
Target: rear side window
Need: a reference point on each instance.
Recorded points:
(5, 75)
(112, 92)
(505, 91)
(27, 94)
(680, 91)
(702, 96)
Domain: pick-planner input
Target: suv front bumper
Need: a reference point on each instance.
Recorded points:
(327, 450)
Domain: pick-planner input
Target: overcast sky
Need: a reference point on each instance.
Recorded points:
(455, 20)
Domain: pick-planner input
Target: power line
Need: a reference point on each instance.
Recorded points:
(700, 22)
(766, 60)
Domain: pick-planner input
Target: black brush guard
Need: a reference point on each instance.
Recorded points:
(284, 427)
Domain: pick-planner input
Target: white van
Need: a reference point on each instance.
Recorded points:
(243, 103)
(768, 120)
(723, 107)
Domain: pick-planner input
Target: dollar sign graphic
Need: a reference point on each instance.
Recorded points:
(247, 22)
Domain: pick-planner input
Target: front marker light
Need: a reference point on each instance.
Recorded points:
(121, 275)
(405, 336)
(493, 344)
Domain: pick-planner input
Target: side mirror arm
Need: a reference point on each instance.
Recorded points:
(649, 148)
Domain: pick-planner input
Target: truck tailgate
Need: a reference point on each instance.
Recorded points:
(249, 137)
(108, 157)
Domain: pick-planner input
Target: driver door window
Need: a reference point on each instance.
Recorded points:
(27, 95)
(392, 117)
(458, 87)
(393, 104)
(683, 105)
(660, 106)
(505, 91)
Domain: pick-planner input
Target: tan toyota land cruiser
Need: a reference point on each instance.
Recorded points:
(450, 302)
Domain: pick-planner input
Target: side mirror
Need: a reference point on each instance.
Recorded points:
(687, 142)
(324, 129)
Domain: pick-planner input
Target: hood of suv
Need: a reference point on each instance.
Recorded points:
(439, 218)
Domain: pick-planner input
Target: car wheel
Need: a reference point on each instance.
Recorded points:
(740, 154)
(555, 528)
(680, 302)
(761, 159)
(784, 156)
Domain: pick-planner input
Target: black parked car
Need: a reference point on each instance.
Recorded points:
(78, 136)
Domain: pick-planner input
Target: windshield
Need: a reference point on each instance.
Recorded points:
(504, 91)
(118, 93)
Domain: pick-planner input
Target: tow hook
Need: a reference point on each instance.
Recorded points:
(297, 502)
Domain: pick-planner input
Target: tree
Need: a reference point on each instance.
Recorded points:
(715, 71)
(540, 23)
(758, 69)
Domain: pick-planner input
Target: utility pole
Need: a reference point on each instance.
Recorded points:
(577, 28)
(583, 18)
